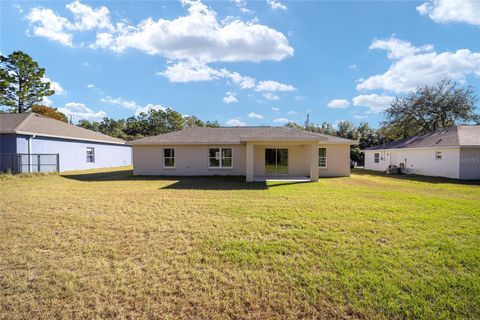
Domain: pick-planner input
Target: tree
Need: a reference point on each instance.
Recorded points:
(212, 124)
(429, 108)
(94, 126)
(193, 121)
(49, 112)
(21, 83)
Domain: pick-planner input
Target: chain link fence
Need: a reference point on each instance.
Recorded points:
(29, 162)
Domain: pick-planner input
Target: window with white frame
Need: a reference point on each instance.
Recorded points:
(169, 158)
(322, 157)
(220, 158)
(376, 157)
(438, 155)
(90, 154)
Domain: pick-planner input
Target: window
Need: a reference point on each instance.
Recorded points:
(322, 157)
(90, 154)
(438, 155)
(169, 158)
(220, 157)
(376, 157)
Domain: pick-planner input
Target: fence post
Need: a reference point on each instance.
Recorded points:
(19, 164)
(58, 162)
(38, 163)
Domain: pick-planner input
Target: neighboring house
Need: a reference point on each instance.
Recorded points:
(254, 152)
(452, 152)
(30, 143)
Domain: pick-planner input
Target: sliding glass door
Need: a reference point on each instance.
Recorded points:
(276, 161)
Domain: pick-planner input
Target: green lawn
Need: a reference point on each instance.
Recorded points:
(110, 245)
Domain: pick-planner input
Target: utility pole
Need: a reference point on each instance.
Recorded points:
(307, 123)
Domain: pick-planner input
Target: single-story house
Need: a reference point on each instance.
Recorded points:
(30, 142)
(452, 153)
(254, 152)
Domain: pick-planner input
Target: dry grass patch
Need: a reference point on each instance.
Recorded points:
(109, 245)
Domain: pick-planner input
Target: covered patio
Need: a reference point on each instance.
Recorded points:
(282, 160)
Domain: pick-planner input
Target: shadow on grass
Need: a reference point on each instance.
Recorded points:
(180, 182)
(414, 177)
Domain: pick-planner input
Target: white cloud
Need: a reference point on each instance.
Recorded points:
(230, 97)
(273, 86)
(445, 11)
(254, 115)
(275, 109)
(235, 123)
(413, 67)
(90, 85)
(127, 104)
(338, 104)
(192, 71)
(46, 101)
(398, 48)
(55, 86)
(271, 96)
(81, 111)
(200, 36)
(374, 102)
(291, 112)
(242, 5)
(352, 67)
(188, 71)
(46, 23)
(243, 82)
(87, 18)
(281, 120)
(149, 107)
(275, 5)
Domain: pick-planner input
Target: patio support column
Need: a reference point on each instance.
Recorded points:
(314, 162)
(249, 163)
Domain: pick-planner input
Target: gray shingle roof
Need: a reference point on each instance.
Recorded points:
(450, 137)
(236, 135)
(32, 123)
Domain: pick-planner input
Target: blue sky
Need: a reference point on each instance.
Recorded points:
(244, 63)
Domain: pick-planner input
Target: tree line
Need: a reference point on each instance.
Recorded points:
(153, 123)
(425, 109)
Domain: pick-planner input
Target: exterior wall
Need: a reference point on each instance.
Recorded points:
(338, 161)
(73, 153)
(190, 160)
(8, 143)
(418, 161)
(470, 163)
(8, 147)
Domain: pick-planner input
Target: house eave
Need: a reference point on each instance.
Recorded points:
(68, 138)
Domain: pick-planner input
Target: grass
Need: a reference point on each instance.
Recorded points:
(110, 245)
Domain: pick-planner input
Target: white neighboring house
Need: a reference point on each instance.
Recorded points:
(452, 153)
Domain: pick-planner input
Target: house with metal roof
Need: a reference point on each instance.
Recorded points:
(452, 153)
(258, 153)
(31, 142)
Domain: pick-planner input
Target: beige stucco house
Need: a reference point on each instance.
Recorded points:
(257, 153)
(452, 153)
